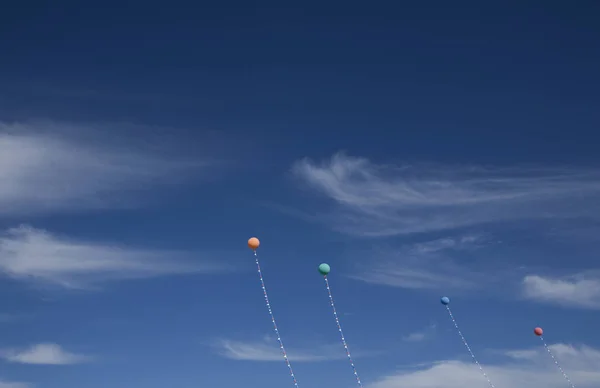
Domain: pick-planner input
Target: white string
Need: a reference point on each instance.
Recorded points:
(281, 347)
(556, 363)
(462, 337)
(339, 326)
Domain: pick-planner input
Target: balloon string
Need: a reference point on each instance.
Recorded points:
(462, 337)
(281, 347)
(556, 363)
(339, 326)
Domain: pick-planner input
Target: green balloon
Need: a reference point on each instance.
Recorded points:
(324, 269)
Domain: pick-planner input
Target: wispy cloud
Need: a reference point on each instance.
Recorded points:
(44, 354)
(37, 255)
(11, 318)
(386, 200)
(421, 335)
(267, 350)
(50, 166)
(582, 291)
(525, 368)
(468, 242)
(424, 265)
(8, 384)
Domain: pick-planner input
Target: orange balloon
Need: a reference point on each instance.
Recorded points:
(253, 243)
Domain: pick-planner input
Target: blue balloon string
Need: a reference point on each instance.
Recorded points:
(464, 341)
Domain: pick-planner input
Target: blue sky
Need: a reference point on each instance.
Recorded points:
(421, 151)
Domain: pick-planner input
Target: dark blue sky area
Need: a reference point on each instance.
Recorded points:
(446, 78)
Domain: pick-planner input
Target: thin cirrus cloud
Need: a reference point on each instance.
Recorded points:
(524, 368)
(32, 254)
(385, 200)
(44, 354)
(579, 291)
(424, 265)
(51, 166)
(267, 350)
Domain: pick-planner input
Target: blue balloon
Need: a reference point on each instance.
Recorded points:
(445, 300)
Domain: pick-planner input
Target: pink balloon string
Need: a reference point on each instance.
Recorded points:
(562, 371)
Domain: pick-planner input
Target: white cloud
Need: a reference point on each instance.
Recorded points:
(581, 291)
(385, 200)
(531, 368)
(32, 254)
(49, 166)
(44, 354)
(268, 350)
(415, 337)
(421, 335)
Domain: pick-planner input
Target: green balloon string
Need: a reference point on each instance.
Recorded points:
(324, 270)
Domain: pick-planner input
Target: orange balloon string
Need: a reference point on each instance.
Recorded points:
(276, 329)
